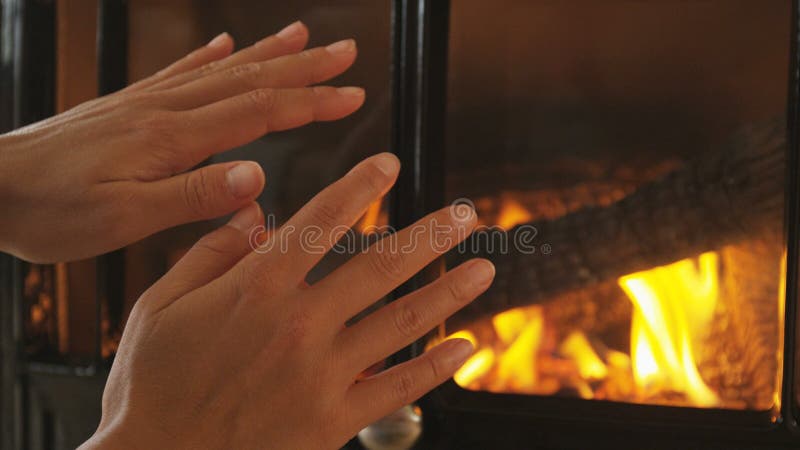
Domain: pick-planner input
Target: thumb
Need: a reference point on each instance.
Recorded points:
(204, 193)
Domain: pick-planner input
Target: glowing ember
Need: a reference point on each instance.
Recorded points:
(511, 214)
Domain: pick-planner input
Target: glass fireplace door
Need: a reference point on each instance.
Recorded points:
(627, 163)
(298, 163)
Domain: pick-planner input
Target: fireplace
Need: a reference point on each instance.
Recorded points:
(633, 165)
(649, 171)
(630, 171)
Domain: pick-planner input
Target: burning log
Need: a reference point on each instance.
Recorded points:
(721, 198)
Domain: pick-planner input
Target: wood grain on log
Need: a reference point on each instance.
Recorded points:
(721, 198)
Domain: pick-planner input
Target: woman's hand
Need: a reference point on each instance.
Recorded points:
(231, 349)
(113, 170)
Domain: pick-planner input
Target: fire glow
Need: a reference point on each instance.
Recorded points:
(672, 305)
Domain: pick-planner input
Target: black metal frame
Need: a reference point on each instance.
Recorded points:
(457, 418)
(29, 78)
(418, 93)
(8, 350)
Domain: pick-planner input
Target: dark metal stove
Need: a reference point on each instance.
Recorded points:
(651, 145)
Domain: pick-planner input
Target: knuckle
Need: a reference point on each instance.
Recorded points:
(388, 263)
(310, 61)
(327, 214)
(263, 100)
(320, 93)
(248, 74)
(307, 54)
(207, 69)
(408, 321)
(403, 387)
(197, 193)
(434, 369)
(456, 291)
(212, 244)
(140, 99)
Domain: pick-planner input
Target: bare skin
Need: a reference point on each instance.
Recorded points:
(232, 348)
(114, 170)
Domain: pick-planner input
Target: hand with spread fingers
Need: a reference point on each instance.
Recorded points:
(231, 349)
(116, 169)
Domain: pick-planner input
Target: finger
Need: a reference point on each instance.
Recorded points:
(376, 396)
(219, 47)
(213, 255)
(291, 39)
(327, 216)
(239, 120)
(204, 193)
(290, 71)
(405, 320)
(391, 261)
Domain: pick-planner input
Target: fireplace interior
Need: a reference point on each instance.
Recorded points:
(629, 164)
(650, 159)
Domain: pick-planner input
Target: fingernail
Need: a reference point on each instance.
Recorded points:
(481, 272)
(244, 179)
(458, 351)
(345, 46)
(291, 31)
(219, 41)
(246, 218)
(388, 164)
(351, 91)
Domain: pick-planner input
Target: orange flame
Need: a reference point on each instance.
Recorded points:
(476, 367)
(673, 305)
(374, 217)
(512, 214)
(577, 347)
(517, 365)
